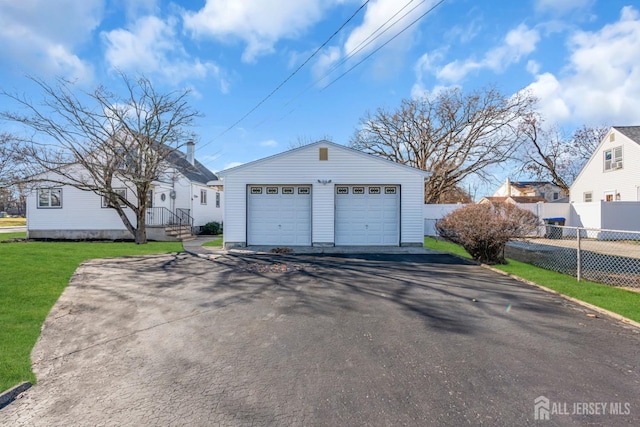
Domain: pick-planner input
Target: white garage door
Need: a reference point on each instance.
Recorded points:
(367, 215)
(279, 215)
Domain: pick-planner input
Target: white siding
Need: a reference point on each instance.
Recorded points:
(302, 166)
(623, 181)
(81, 210)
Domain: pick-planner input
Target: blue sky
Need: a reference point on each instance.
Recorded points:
(580, 57)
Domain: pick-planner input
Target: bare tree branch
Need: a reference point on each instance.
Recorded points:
(454, 135)
(98, 140)
(549, 155)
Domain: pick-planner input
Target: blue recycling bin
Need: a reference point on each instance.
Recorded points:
(553, 230)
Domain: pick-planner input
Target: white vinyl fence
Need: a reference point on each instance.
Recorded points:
(433, 213)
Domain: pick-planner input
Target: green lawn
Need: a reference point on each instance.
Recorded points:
(32, 277)
(9, 236)
(214, 243)
(617, 300)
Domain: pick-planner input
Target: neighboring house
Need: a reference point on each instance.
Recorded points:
(544, 189)
(613, 171)
(323, 194)
(65, 212)
(513, 199)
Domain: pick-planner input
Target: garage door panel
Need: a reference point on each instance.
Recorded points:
(279, 215)
(367, 215)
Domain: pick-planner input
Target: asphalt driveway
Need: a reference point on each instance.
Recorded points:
(322, 340)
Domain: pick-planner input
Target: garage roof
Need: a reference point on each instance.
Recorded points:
(368, 156)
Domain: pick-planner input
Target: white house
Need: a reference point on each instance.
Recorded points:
(547, 190)
(613, 171)
(606, 193)
(181, 195)
(323, 194)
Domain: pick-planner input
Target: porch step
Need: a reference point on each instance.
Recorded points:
(180, 233)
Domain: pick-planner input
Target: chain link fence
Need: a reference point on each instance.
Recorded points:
(606, 256)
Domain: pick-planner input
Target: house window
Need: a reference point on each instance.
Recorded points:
(613, 158)
(122, 192)
(587, 197)
(217, 200)
(542, 194)
(50, 198)
(203, 197)
(150, 198)
(555, 196)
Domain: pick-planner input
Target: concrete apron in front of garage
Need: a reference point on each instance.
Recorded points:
(337, 249)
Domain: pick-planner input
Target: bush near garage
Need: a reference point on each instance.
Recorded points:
(211, 228)
(483, 230)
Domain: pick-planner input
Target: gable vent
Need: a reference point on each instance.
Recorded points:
(324, 153)
(612, 137)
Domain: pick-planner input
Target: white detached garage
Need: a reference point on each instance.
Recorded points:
(323, 194)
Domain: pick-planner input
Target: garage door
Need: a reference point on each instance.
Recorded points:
(367, 215)
(279, 215)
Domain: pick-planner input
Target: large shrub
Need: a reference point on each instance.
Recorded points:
(211, 228)
(483, 230)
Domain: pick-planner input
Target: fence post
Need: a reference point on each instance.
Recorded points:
(578, 257)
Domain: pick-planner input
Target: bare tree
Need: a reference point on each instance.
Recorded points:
(98, 140)
(548, 154)
(9, 160)
(453, 135)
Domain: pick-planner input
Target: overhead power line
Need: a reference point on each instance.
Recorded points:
(385, 43)
(241, 119)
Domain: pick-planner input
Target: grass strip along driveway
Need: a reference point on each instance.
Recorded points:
(621, 301)
(32, 277)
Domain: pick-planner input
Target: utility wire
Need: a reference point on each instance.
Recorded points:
(289, 77)
(363, 44)
(384, 44)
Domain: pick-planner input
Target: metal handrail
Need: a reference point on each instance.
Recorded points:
(161, 216)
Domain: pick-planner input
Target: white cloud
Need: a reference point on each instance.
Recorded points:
(533, 66)
(374, 24)
(601, 82)
(517, 44)
(40, 36)
(152, 46)
(325, 62)
(258, 23)
(269, 143)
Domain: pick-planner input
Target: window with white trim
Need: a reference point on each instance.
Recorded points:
(613, 158)
(203, 197)
(122, 192)
(50, 198)
(217, 200)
